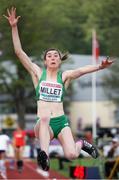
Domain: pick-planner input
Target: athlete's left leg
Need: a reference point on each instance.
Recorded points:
(72, 149)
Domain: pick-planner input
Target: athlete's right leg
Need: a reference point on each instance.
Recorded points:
(44, 133)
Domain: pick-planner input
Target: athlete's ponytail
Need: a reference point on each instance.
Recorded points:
(64, 56)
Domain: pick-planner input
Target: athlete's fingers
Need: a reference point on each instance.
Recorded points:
(8, 11)
(13, 11)
(18, 17)
(5, 16)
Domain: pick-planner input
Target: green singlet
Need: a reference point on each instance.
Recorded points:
(50, 91)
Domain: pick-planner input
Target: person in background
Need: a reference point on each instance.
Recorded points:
(112, 154)
(88, 136)
(18, 144)
(4, 142)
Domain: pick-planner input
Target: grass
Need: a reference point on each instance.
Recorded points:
(55, 166)
(88, 162)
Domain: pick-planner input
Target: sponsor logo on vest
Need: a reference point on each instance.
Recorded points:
(51, 84)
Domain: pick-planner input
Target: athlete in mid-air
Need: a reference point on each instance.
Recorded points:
(50, 85)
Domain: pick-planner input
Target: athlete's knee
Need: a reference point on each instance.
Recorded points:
(71, 155)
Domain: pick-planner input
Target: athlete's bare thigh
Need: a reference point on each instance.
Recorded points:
(66, 139)
(37, 130)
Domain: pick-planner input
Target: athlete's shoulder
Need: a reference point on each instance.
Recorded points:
(65, 75)
(37, 68)
(37, 71)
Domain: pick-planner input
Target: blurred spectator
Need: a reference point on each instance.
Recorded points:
(88, 136)
(98, 122)
(112, 154)
(32, 147)
(79, 124)
(18, 144)
(4, 142)
(114, 148)
(79, 129)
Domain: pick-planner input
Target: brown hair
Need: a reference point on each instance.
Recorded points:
(63, 57)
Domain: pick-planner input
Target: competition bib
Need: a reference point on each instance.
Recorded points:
(50, 91)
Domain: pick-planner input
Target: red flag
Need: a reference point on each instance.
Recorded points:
(95, 46)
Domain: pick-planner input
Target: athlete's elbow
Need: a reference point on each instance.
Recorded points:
(18, 52)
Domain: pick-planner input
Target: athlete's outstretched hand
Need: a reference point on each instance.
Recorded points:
(11, 17)
(106, 63)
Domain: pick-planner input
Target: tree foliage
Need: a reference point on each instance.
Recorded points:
(108, 25)
(56, 23)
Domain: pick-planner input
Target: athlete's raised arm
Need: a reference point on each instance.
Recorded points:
(25, 60)
(73, 74)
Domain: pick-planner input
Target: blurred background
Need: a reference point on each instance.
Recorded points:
(68, 26)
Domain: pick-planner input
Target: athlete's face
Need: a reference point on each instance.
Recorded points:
(52, 59)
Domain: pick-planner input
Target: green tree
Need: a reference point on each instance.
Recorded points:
(37, 29)
(56, 23)
(109, 25)
(103, 16)
(16, 81)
